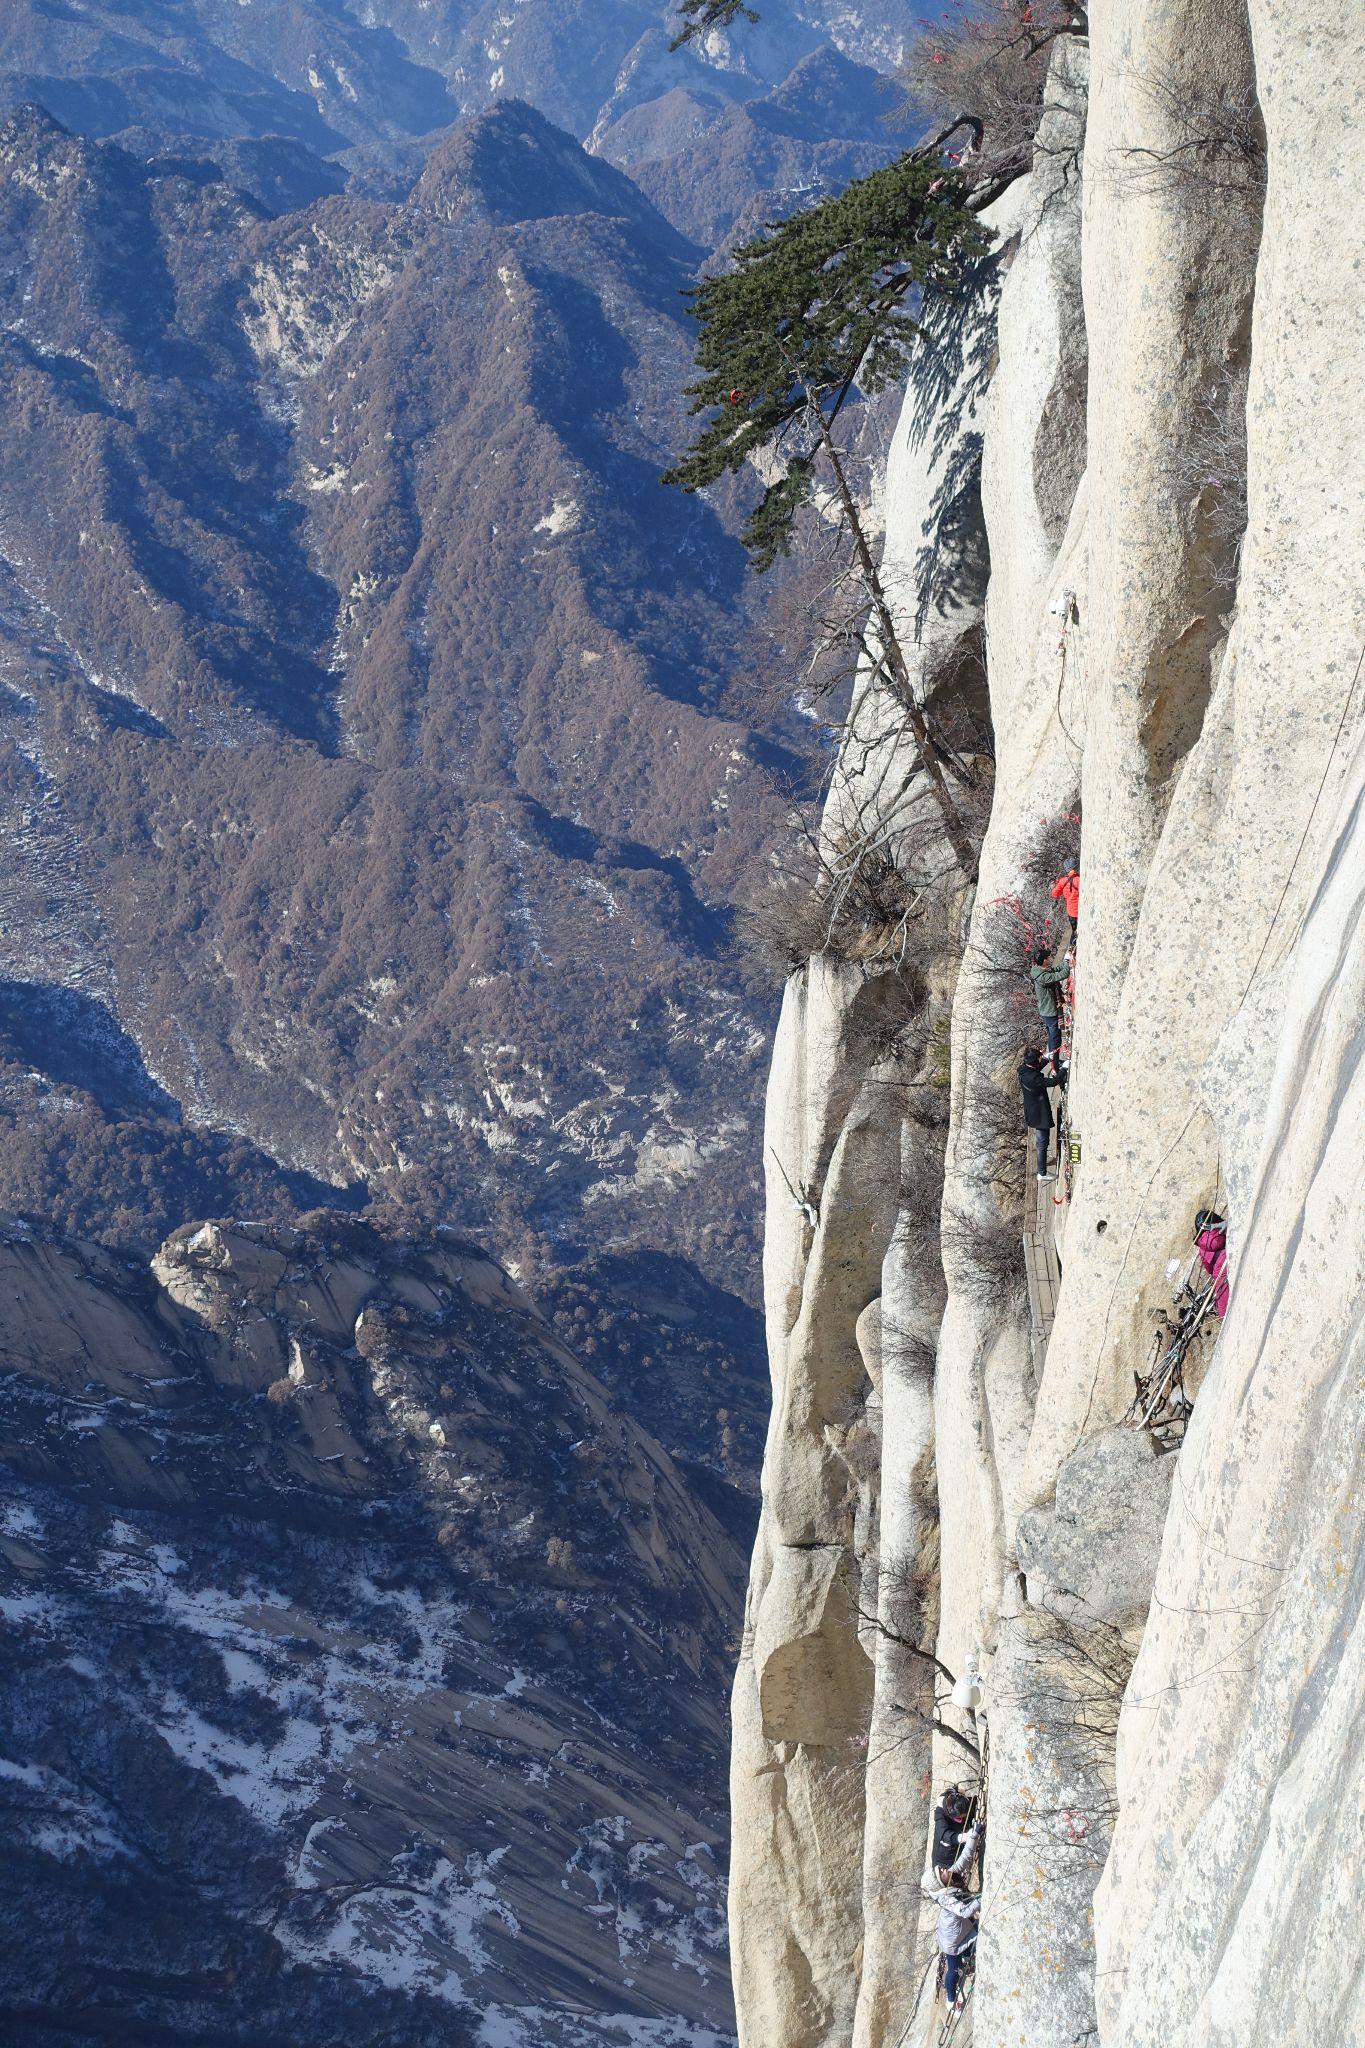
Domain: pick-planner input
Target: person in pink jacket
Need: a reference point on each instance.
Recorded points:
(1211, 1242)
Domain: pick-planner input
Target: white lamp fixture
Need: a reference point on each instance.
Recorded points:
(968, 1691)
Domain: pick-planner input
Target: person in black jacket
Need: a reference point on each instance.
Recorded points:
(950, 1819)
(1037, 1106)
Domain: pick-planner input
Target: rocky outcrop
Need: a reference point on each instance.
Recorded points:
(1166, 1630)
(344, 1605)
(1093, 1551)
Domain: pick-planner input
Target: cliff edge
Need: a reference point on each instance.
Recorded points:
(1145, 410)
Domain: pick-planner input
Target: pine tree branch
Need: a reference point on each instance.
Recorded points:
(701, 16)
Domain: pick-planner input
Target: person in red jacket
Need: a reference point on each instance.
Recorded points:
(1211, 1242)
(1067, 890)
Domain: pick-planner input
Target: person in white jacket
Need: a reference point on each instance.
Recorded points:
(958, 1913)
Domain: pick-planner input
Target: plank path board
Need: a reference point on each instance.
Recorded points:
(1040, 1255)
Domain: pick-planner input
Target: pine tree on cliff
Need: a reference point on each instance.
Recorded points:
(813, 308)
(699, 17)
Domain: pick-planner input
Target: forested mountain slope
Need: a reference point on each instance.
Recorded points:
(371, 794)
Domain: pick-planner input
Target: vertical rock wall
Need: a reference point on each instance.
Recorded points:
(1250, 1672)
(853, 1297)
(1034, 1952)
(1169, 1790)
(1169, 258)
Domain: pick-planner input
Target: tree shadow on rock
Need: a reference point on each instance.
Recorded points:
(949, 377)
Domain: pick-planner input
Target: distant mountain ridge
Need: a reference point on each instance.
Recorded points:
(389, 803)
(332, 75)
(292, 102)
(719, 167)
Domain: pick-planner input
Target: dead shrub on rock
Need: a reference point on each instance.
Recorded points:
(984, 1261)
(1056, 850)
(857, 903)
(909, 1355)
(1207, 471)
(1216, 140)
(1072, 1685)
(890, 1029)
(921, 1195)
(989, 62)
(996, 1131)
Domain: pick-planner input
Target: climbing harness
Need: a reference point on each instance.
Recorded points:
(1161, 1400)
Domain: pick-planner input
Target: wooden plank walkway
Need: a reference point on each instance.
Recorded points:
(1040, 1256)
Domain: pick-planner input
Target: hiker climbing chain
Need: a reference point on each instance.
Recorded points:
(954, 2015)
(958, 1835)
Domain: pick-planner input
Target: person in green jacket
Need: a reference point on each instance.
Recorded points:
(1046, 981)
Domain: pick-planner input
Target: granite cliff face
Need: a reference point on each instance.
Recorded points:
(1147, 405)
